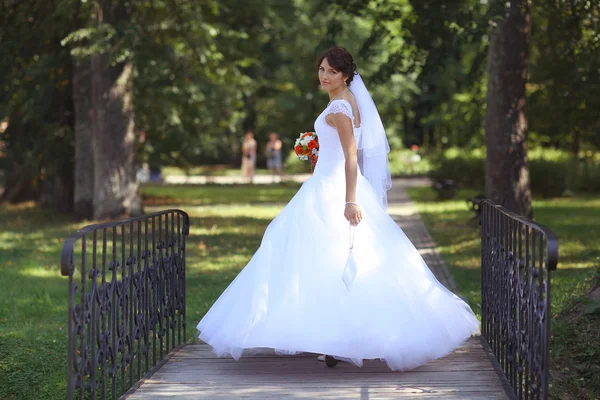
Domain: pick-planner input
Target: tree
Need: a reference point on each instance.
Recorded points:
(564, 78)
(36, 103)
(507, 173)
(83, 126)
(105, 171)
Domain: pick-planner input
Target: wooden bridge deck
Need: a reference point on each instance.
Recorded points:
(194, 372)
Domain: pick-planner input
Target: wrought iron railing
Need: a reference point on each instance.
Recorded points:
(517, 256)
(126, 301)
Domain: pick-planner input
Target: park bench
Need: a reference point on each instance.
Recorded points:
(445, 188)
(475, 205)
(126, 323)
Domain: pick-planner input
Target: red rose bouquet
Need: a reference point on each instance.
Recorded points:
(307, 147)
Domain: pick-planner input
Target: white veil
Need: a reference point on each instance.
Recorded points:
(373, 147)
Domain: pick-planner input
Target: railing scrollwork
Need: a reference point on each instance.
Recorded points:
(517, 256)
(126, 301)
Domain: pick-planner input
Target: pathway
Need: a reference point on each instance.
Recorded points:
(231, 179)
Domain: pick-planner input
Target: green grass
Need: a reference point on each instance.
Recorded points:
(576, 222)
(163, 195)
(227, 224)
(33, 303)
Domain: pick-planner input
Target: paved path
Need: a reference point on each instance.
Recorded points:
(234, 179)
(193, 372)
(404, 212)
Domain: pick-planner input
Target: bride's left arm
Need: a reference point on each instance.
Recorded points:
(343, 125)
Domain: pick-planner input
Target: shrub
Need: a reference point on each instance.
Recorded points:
(553, 172)
(467, 169)
(408, 163)
(293, 165)
(402, 163)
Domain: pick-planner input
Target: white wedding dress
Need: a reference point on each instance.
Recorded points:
(291, 297)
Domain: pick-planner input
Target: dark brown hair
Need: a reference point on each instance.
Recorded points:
(340, 59)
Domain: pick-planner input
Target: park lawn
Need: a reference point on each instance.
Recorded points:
(227, 224)
(211, 194)
(575, 342)
(33, 294)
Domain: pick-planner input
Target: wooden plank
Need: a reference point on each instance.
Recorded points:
(194, 372)
(201, 358)
(264, 392)
(312, 367)
(486, 377)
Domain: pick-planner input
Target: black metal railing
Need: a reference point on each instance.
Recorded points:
(126, 301)
(517, 256)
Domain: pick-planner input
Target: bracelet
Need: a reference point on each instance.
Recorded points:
(351, 202)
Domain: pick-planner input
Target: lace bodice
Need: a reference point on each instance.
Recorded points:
(340, 106)
(331, 154)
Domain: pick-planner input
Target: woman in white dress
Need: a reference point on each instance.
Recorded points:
(296, 294)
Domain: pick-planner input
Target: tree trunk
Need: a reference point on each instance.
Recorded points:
(507, 172)
(116, 190)
(105, 172)
(84, 159)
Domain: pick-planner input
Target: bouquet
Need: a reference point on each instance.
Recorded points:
(307, 147)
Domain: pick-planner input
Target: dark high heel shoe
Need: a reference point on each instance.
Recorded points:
(330, 361)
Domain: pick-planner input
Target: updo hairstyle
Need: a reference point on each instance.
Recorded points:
(340, 59)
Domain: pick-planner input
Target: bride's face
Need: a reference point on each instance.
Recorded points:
(330, 78)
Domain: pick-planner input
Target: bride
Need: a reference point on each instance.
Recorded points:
(304, 291)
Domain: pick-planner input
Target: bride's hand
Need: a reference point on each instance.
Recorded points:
(353, 213)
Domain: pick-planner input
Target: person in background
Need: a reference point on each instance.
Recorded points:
(249, 156)
(274, 162)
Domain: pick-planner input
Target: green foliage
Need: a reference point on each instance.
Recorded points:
(564, 79)
(466, 168)
(90, 41)
(408, 163)
(293, 165)
(35, 94)
(206, 71)
(552, 172)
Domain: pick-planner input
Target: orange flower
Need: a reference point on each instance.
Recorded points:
(312, 145)
(298, 149)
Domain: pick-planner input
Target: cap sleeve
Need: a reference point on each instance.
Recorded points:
(340, 107)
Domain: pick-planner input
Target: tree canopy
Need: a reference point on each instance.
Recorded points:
(203, 72)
